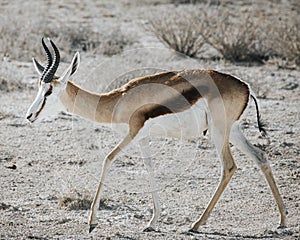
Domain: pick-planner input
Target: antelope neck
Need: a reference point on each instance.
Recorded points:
(93, 106)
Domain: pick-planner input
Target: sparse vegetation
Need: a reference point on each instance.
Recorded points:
(21, 39)
(238, 37)
(237, 40)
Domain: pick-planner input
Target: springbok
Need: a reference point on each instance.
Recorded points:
(182, 103)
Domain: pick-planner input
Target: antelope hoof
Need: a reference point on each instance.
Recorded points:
(92, 227)
(197, 224)
(149, 229)
(192, 230)
(282, 226)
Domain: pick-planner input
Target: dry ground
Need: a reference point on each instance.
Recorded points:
(49, 170)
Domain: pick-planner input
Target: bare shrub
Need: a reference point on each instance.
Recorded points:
(237, 38)
(181, 32)
(284, 37)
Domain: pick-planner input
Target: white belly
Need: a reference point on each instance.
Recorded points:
(184, 125)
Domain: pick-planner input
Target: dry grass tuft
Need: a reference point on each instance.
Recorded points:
(76, 201)
(9, 86)
(80, 201)
(113, 43)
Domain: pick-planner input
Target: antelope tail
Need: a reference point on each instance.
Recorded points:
(261, 125)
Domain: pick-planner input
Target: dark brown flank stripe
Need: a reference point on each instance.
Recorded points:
(191, 94)
(182, 102)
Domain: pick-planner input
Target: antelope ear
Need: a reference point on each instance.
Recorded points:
(71, 69)
(38, 67)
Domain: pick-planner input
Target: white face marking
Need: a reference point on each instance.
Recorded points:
(47, 101)
(45, 104)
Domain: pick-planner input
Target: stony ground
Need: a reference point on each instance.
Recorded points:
(49, 170)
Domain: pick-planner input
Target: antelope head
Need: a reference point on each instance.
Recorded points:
(50, 87)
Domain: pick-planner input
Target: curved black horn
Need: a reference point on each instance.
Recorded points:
(49, 59)
(51, 71)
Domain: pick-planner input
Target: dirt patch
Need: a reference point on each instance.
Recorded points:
(50, 170)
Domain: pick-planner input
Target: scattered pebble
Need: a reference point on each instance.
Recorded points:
(13, 167)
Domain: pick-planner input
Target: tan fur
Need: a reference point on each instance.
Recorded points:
(144, 95)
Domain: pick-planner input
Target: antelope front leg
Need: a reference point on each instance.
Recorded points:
(144, 146)
(106, 164)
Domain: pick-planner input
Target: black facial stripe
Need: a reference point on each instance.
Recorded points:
(48, 92)
(39, 111)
